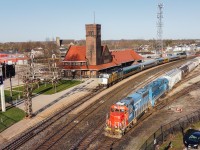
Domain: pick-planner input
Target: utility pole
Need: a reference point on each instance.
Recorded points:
(160, 30)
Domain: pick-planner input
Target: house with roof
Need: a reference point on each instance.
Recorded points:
(93, 59)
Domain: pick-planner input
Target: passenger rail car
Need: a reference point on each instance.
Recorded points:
(162, 60)
(127, 111)
(128, 71)
(108, 79)
(174, 58)
(111, 78)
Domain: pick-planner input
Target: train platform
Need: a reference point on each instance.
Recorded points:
(45, 105)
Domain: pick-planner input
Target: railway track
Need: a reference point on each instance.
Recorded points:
(68, 127)
(159, 107)
(46, 123)
(87, 140)
(135, 134)
(108, 142)
(50, 121)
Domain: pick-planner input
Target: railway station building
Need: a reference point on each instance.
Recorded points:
(93, 59)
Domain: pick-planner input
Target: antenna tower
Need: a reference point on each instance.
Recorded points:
(159, 29)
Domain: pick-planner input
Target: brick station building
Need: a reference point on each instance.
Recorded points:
(93, 59)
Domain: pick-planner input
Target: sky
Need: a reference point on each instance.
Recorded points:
(39, 20)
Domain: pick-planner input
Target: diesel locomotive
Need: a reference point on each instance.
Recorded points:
(125, 113)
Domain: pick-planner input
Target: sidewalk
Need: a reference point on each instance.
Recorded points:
(45, 105)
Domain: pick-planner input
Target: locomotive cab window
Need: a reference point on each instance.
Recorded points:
(122, 110)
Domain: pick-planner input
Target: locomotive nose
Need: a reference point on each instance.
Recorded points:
(116, 119)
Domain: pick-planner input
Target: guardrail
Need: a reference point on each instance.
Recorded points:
(168, 130)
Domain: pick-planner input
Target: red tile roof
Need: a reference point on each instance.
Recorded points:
(76, 53)
(135, 55)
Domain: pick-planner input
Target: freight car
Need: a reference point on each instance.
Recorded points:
(127, 111)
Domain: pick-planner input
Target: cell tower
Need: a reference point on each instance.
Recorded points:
(159, 29)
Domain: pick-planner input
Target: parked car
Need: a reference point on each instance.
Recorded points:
(192, 138)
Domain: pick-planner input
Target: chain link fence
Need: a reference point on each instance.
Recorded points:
(168, 130)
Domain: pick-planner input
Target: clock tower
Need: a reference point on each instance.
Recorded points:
(93, 44)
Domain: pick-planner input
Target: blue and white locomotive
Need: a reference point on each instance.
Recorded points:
(125, 113)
